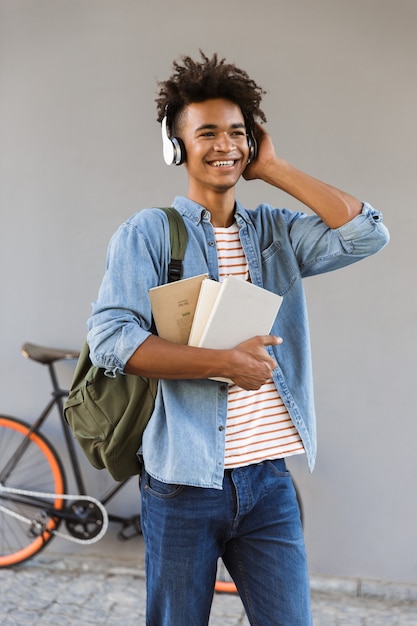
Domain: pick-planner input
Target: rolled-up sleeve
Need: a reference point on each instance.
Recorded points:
(365, 234)
(321, 249)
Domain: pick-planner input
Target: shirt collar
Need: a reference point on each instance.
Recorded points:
(196, 212)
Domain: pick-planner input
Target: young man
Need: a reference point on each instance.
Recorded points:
(214, 481)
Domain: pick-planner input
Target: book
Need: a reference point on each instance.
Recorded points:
(231, 312)
(173, 306)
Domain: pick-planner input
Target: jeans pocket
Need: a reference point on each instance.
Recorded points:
(279, 468)
(159, 489)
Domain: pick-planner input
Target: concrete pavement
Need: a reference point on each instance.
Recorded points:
(81, 588)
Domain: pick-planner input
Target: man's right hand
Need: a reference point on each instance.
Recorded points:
(252, 366)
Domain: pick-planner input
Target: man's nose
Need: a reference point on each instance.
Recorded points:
(224, 143)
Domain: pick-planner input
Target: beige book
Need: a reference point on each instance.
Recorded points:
(173, 306)
(232, 311)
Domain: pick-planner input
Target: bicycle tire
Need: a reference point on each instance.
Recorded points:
(38, 468)
(224, 582)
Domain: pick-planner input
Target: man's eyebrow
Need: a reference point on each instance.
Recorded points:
(215, 126)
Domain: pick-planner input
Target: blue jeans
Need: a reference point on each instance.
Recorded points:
(253, 524)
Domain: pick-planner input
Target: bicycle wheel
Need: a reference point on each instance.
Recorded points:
(27, 462)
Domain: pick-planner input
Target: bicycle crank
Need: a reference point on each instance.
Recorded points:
(86, 519)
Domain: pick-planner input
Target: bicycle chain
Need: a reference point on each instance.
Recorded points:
(51, 496)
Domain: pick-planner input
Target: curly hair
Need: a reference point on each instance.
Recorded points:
(211, 78)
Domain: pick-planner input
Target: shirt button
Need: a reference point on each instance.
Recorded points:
(221, 428)
(223, 387)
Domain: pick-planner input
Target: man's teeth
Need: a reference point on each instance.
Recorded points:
(223, 163)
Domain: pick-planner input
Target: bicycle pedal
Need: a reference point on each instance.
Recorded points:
(132, 528)
(38, 525)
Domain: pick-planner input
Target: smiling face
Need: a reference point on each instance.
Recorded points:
(214, 135)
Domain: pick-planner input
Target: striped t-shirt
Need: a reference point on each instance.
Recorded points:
(258, 425)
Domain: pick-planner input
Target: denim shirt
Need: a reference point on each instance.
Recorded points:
(184, 441)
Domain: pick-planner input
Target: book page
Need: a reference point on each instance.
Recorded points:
(206, 300)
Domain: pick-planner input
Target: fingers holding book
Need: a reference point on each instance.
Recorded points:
(253, 366)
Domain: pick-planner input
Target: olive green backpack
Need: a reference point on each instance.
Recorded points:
(108, 415)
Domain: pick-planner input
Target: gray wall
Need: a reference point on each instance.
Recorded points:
(80, 152)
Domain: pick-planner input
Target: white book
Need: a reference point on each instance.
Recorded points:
(231, 312)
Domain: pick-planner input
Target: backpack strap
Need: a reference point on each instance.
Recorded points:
(178, 237)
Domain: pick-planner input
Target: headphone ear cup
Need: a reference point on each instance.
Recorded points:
(173, 148)
(253, 147)
(179, 150)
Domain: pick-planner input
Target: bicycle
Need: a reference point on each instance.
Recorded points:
(33, 486)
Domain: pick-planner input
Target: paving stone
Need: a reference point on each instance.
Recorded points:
(72, 591)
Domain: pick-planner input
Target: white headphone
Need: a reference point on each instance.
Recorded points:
(173, 147)
(253, 147)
